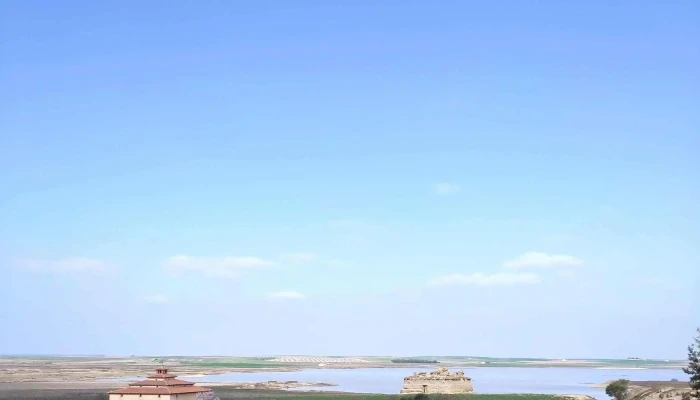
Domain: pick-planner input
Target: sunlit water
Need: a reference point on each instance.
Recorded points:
(485, 380)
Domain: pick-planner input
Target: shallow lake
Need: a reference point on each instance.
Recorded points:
(484, 379)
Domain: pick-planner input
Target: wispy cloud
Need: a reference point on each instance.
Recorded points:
(287, 295)
(158, 299)
(480, 279)
(542, 260)
(74, 264)
(445, 188)
(223, 267)
(299, 258)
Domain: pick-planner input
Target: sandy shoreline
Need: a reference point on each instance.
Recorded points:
(60, 385)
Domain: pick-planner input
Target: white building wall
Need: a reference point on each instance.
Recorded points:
(184, 396)
(141, 397)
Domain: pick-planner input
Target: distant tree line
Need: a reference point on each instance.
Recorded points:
(413, 361)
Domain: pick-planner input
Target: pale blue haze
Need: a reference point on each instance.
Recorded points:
(395, 141)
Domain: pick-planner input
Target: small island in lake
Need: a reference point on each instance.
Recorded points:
(440, 381)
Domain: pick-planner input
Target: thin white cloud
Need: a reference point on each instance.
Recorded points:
(445, 188)
(75, 264)
(542, 260)
(299, 258)
(287, 295)
(158, 299)
(480, 279)
(222, 267)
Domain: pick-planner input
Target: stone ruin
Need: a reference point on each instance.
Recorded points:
(440, 381)
(206, 396)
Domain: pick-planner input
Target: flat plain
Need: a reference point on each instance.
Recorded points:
(98, 368)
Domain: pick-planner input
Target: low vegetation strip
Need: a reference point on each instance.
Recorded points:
(413, 361)
(234, 362)
(656, 384)
(237, 365)
(230, 394)
(324, 360)
(351, 396)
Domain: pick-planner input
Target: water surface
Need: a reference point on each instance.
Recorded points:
(485, 380)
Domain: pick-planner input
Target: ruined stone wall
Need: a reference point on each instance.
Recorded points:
(415, 386)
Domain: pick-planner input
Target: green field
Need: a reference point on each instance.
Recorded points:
(233, 362)
(243, 364)
(457, 361)
(544, 362)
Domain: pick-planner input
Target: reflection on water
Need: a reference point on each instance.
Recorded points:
(485, 380)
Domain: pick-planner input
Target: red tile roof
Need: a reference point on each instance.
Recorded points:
(169, 385)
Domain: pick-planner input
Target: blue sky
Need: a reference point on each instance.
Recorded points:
(350, 177)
